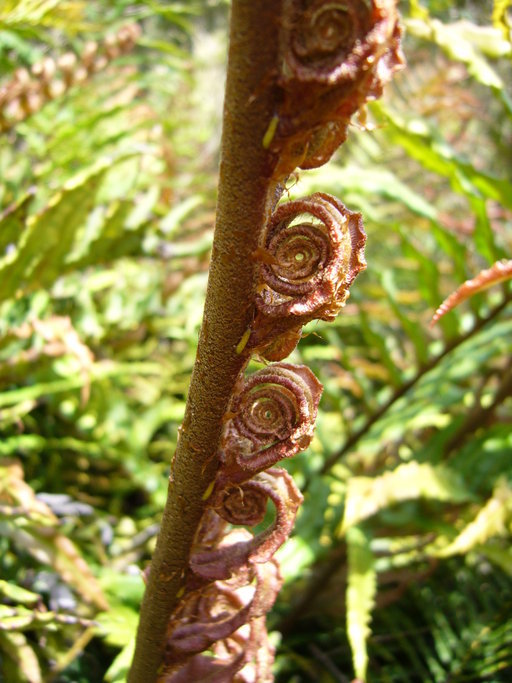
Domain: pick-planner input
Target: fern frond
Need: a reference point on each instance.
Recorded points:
(26, 93)
(499, 272)
(66, 15)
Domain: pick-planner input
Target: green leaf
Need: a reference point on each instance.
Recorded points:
(48, 237)
(490, 521)
(500, 18)
(23, 443)
(425, 145)
(16, 646)
(129, 587)
(173, 220)
(18, 594)
(97, 372)
(119, 668)
(361, 593)
(377, 342)
(465, 42)
(366, 181)
(501, 557)
(12, 222)
(428, 282)
(118, 625)
(368, 495)
(453, 247)
(113, 240)
(413, 329)
(56, 14)
(294, 556)
(483, 235)
(163, 46)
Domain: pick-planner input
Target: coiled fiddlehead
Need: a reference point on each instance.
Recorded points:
(324, 36)
(330, 40)
(336, 55)
(315, 250)
(234, 579)
(237, 503)
(273, 417)
(229, 618)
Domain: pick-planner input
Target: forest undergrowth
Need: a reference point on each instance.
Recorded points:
(400, 564)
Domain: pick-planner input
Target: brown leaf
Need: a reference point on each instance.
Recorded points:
(498, 272)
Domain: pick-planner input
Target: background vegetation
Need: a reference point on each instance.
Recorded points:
(400, 566)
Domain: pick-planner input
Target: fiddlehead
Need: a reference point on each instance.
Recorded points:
(315, 249)
(273, 417)
(229, 618)
(323, 36)
(336, 55)
(333, 57)
(237, 504)
(329, 41)
(234, 579)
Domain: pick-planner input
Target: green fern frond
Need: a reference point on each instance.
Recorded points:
(361, 592)
(65, 15)
(456, 627)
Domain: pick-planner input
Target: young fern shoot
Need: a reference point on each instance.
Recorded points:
(274, 268)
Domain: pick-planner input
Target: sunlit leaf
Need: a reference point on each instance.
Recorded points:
(118, 625)
(61, 14)
(361, 592)
(501, 557)
(368, 495)
(368, 181)
(17, 648)
(413, 329)
(119, 668)
(467, 43)
(500, 17)
(12, 222)
(18, 594)
(48, 237)
(436, 155)
(490, 521)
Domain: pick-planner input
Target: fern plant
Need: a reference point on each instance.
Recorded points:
(406, 478)
(286, 106)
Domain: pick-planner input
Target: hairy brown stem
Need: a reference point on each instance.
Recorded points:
(246, 198)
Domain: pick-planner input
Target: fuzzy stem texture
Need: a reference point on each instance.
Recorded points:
(246, 198)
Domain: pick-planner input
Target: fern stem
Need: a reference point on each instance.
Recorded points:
(246, 198)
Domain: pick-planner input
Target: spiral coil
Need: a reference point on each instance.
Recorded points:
(234, 579)
(316, 250)
(274, 416)
(335, 56)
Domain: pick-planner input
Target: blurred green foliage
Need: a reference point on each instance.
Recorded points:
(399, 569)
